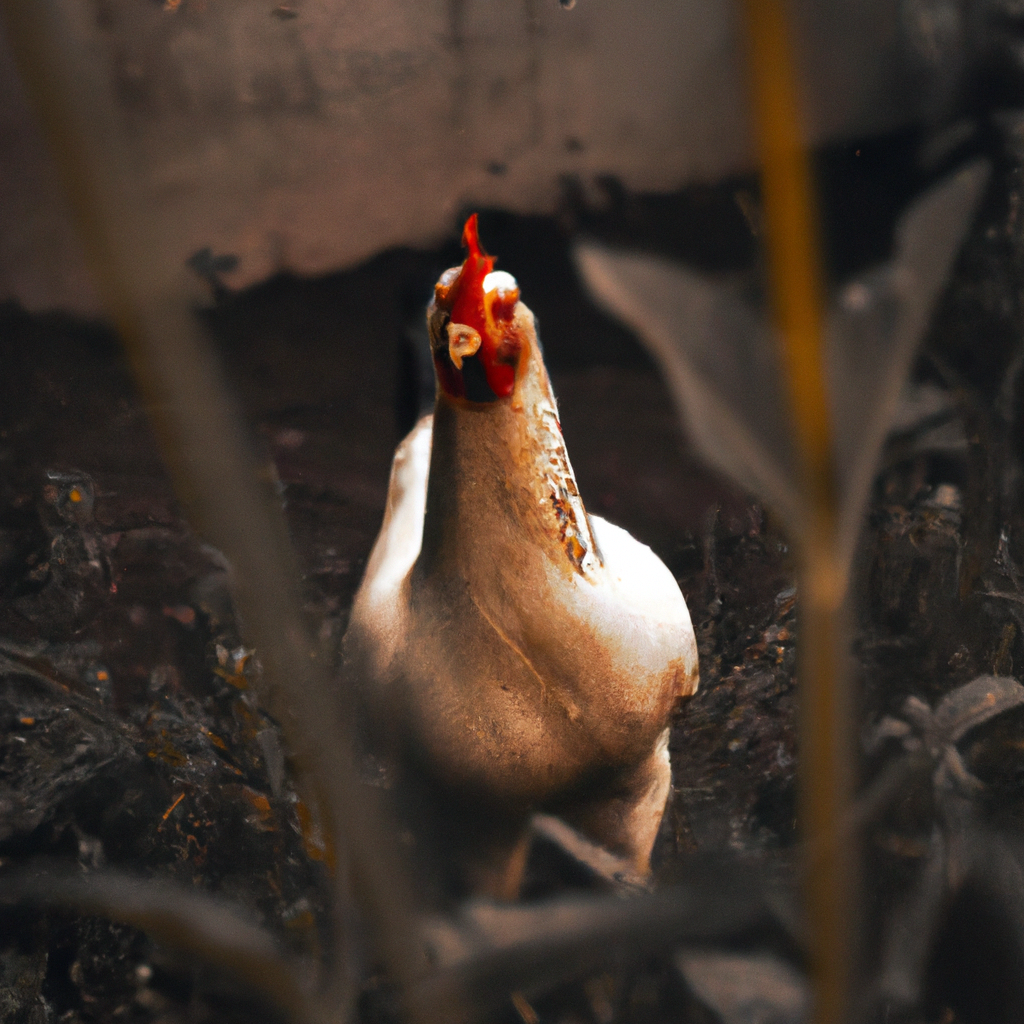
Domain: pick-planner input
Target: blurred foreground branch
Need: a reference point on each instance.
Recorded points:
(204, 445)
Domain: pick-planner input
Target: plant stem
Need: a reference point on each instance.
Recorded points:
(143, 282)
(795, 269)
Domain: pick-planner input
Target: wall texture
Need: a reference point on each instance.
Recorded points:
(309, 134)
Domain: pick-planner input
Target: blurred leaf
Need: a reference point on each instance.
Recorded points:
(479, 955)
(490, 950)
(195, 923)
(975, 703)
(910, 931)
(959, 711)
(614, 872)
(746, 988)
(711, 337)
(961, 850)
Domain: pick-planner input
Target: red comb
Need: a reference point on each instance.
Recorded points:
(466, 295)
(471, 239)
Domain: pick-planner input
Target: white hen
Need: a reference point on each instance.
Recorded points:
(514, 652)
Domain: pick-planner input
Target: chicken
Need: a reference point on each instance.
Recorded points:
(514, 653)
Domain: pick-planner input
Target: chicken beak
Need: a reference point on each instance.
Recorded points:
(462, 341)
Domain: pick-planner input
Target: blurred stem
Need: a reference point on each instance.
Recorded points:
(144, 285)
(825, 722)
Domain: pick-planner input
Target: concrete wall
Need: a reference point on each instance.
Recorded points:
(309, 134)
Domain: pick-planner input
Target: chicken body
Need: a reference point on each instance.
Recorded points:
(514, 652)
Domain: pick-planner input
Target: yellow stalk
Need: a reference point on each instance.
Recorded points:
(795, 274)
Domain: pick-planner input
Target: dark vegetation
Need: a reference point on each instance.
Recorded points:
(130, 737)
